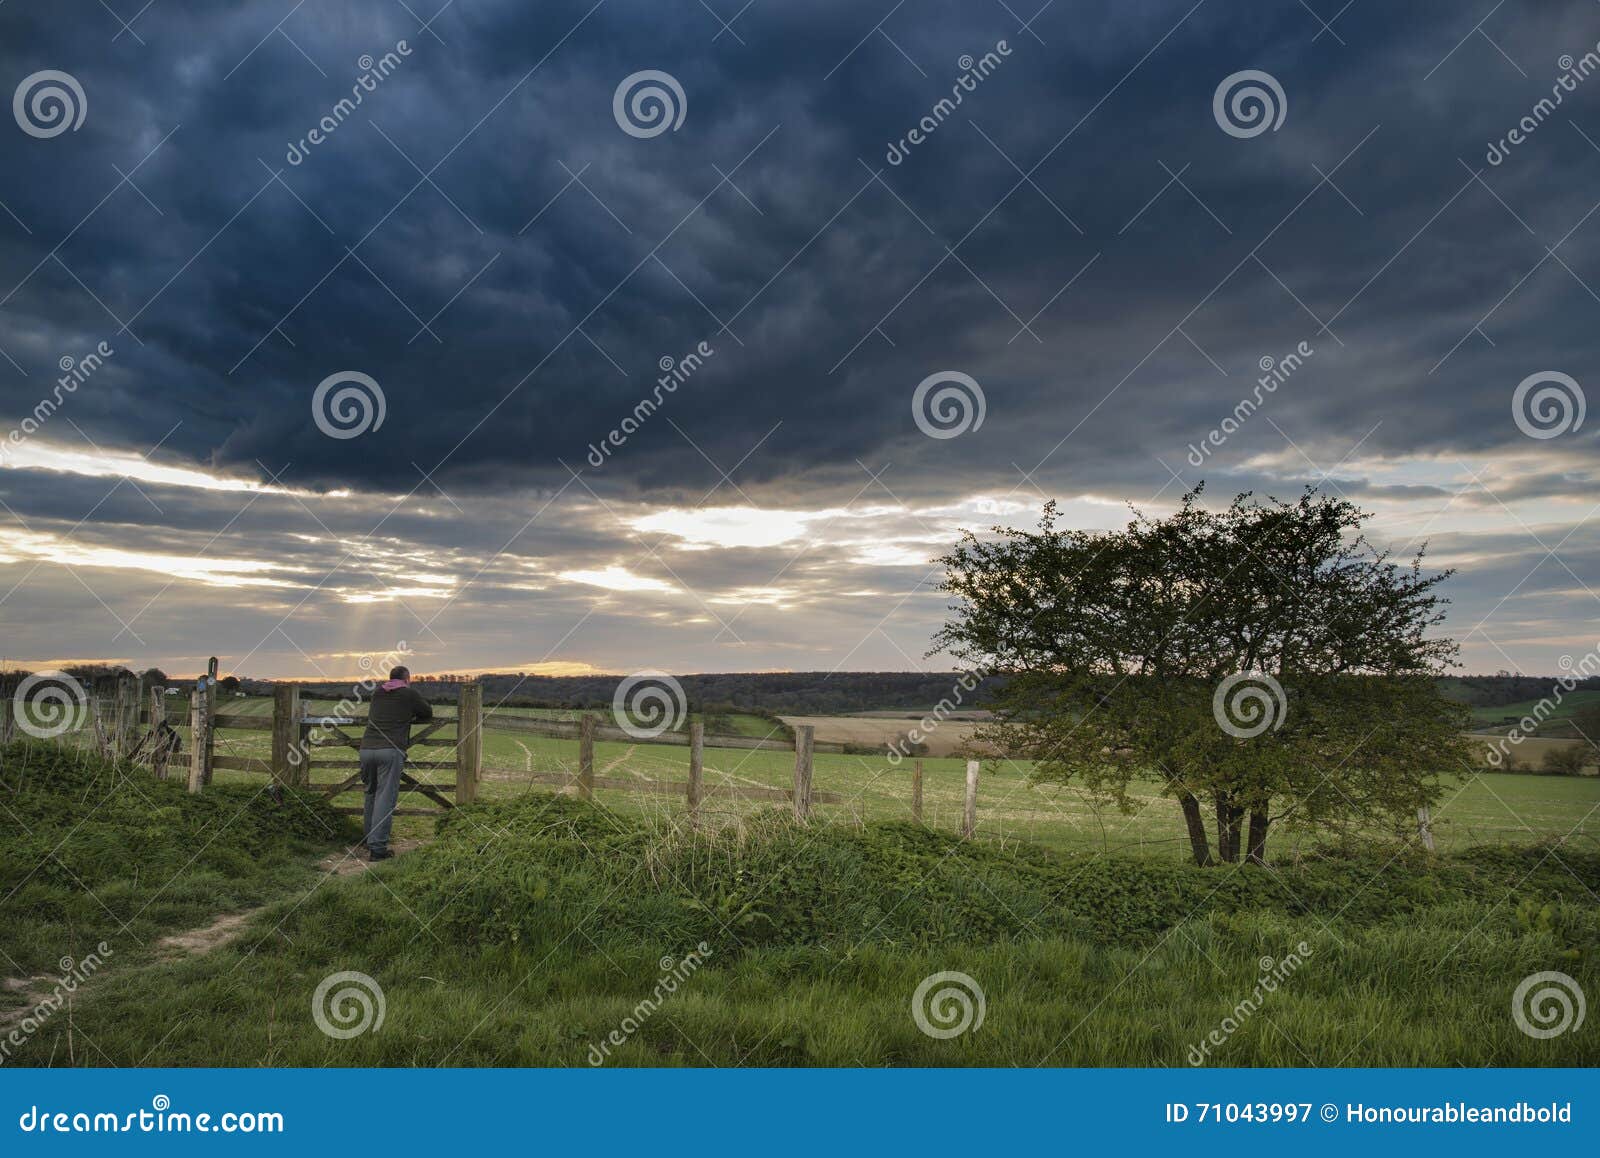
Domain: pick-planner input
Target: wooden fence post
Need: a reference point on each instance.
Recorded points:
(200, 737)
(158, 719)
(104, 740)
(1425, 827)
(586, 757)
(8, 712)
(134, 709)
(697, 745)
(469, 741)
(286, 734)
(969, 815)
(916, 791)
(121, 733)
(804, 736)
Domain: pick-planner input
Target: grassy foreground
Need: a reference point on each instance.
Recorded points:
(91, 851)
(543, 931)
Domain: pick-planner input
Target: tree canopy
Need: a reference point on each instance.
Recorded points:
(1265, 658)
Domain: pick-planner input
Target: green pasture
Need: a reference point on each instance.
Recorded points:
(1487, 808)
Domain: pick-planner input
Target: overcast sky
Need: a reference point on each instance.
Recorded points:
(510, 247)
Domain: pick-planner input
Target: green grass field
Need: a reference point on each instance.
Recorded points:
(1557, 725)
(1489, 808)
(532, 930)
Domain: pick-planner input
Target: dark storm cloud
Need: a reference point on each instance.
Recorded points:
(483, 239)
(798, 292)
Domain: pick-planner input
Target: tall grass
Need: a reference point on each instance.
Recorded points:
(94, 851)
(531, 931)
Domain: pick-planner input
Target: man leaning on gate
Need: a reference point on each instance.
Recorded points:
(395, 707)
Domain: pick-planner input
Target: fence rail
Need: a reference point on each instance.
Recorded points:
(297, 733)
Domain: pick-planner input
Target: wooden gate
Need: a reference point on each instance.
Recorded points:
(297, 738)
(319, 732)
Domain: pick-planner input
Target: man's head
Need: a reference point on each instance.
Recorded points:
(400, 673)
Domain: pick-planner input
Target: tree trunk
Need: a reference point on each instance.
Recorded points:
(1199, 843)
(1258, 834)
(1229, 815)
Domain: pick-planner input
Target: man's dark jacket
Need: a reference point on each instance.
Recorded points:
(390, 716)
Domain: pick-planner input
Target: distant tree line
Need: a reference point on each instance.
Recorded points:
(1481, 691)
(788, 693)
(757, 693)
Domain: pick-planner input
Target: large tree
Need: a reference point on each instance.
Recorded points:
(1264, 660)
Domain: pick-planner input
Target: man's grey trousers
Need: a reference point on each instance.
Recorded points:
(380, 774)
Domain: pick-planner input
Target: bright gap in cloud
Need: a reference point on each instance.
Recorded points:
(35, 454)
(214, 572)
(615, 578)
